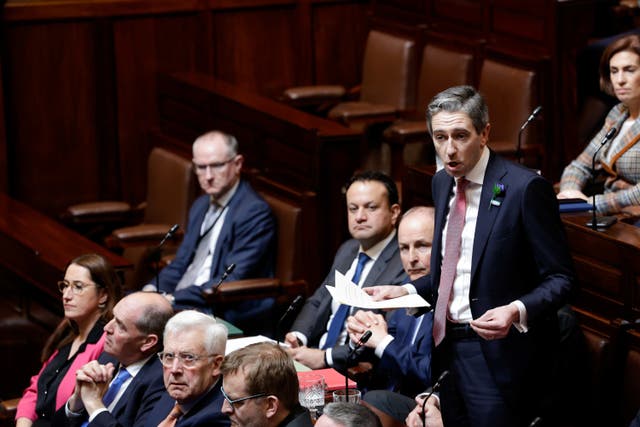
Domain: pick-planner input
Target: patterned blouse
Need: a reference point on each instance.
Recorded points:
(620, 174)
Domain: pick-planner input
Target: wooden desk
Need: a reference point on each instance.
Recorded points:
(38, 249)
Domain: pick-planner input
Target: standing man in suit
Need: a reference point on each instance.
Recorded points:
(501, 269)
(194, 346)
(229, 224)
(371, 257)
(133, 337)
(260, 387)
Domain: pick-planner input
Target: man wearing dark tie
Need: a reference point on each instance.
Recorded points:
(229, 224)
(318, 335)
(194, 347)
(501, 269)
(103, 397)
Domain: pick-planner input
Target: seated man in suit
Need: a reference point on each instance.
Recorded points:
(194, 346)
(264, 374)
(403, 345)
(371, 257)
(133, 339)
(230, 224)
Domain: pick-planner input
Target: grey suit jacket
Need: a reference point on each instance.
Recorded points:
(312, 320)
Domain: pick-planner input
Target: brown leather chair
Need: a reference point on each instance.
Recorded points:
(387, 87)
(511, 94)
(630, 390)
(171, 189)
(295, 213)
(408, 138)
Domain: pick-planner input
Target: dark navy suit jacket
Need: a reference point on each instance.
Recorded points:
(133, 406)
(312, 320)
(519, 252)
(247, 239)
(406, 366)
(206, 411)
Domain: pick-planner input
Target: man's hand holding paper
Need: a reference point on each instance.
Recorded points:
(348, 293)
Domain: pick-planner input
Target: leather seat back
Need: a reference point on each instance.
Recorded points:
(171, 188)
(388, 71)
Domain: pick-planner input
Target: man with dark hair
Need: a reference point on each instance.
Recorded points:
(318, 335)
(260, 387)
(343, 414)
(229, 224)
(500, 269)
(104, 398)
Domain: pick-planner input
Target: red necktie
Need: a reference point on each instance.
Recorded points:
(450, 262)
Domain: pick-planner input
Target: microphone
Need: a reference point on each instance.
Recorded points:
(211, 292)
(532, 116)
(536, 422)
(295, 305)
(605, 221)
(363, 339)
(157, 251)
(169, 234)
(434, 388)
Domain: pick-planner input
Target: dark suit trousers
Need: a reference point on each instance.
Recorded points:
(469, 395)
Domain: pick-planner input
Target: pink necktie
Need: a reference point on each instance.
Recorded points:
(450, 262)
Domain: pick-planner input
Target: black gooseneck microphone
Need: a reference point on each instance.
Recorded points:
(434, 388)
(157, 251)
(363, 339)
(293, 307)
(532, 116)
(605, 221)
(214, 289)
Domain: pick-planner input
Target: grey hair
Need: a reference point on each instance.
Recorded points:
(351, 415)
(463, 99)
(215, 334)
(231, 142)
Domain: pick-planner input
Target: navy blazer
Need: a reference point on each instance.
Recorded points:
(133, 406)
(406, 366)
(312, 320)
(247, 239)
(206, 411)
(519, 252)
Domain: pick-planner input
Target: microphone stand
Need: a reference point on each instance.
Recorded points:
(293, 307)
(435, 387)
(363, 339)
(604, 221)
(157, 252)
(210, 293)
(533, 115)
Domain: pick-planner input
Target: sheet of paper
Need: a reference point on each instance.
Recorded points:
(348, 293)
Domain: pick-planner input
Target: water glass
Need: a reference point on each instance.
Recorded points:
(311, 394)
(341, 395)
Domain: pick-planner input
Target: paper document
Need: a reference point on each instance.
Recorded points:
(348, 293)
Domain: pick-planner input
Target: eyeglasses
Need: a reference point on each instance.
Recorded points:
(214, 167)
(187, 360)
(77, 286)
(240, 399)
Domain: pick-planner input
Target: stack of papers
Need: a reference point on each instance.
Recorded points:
(348, 293)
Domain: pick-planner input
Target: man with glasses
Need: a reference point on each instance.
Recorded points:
(260, 388)
(194, 345)
(229, 224)
(104, 397)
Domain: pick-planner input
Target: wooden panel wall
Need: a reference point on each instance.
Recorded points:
(80, 79)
